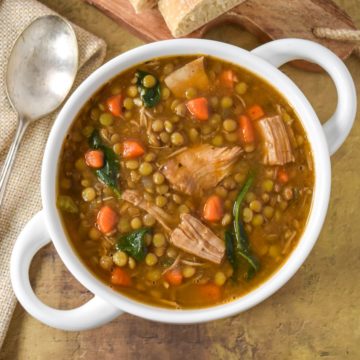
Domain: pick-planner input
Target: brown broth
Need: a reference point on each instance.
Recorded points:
(271, 242)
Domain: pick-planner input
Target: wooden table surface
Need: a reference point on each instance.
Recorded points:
(315, 315)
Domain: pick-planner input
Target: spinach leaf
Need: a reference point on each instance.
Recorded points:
(236, 239)
(230, 250)
(149, 96)
(133, 243)
(108, 174)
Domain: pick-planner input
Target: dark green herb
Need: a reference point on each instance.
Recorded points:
(149, 96)
(133, 243)
(109, 173)
(230, 249)
(236, 239)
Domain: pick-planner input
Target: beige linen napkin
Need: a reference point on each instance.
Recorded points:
(23, 194)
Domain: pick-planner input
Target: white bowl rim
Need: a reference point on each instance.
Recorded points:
(226, 52)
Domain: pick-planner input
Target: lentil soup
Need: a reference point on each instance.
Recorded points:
(185, 182)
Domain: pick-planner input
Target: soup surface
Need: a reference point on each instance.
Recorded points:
(185, 182)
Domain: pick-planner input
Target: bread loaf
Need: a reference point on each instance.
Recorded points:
(141, 5)
(184, 16)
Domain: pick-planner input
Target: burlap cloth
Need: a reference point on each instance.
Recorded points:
(23, 193)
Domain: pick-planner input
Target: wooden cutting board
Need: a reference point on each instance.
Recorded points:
(268, 20)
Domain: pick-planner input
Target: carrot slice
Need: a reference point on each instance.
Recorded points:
(227, 78)
(213, 209)
(246, 129)
(107, 219)
(132, 149)
(174, 277)
(198, 108)
(120, 277)
(255, 112)
(283, 176)
(114, 104)
(94, 159)
(210, 292)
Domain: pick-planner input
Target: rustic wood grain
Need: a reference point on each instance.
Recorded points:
(314, 316)
(273, 20)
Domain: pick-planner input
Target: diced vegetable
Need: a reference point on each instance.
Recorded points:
(120, 277)
(114, 104)
(133, 243)
(109, 173)
(173, 277)
(283, 176)
(150, 95)
(67, 204)
(199, 108)
(94, 159)
(213, 209)
(210, 292)
(247, 132)
(106, 219)
(228, 78)
(132, 149)
(191, 75)
(255, 112)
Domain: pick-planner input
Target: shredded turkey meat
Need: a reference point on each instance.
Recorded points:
(276, 144)
(191, 235)
(194, 237)
(200, 167)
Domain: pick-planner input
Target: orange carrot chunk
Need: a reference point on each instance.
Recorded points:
(213, 209)
(198, 108)
(283, 176)
(255, 112)
(227, 78)
(94, 159)
(247, 133)
(210, 292)
(120, 277)
(114, 104)
(107, 219)
(132, 149)
(173, 277)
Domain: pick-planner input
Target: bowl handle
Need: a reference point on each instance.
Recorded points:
(95, 312)
(279, 52)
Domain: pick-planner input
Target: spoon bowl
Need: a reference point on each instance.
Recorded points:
(42, 67)
(41, 70)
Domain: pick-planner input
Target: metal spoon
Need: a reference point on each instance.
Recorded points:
(41, 70)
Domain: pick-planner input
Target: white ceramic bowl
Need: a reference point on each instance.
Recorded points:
(263, 61)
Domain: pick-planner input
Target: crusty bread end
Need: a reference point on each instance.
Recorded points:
(184, 16)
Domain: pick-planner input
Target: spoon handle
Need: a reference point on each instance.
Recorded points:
(9, 161)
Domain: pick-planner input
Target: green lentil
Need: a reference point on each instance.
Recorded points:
(106, 119)
(190, 93)
(188, 271)
(136, 223)
(257, 220)
(88, 194)
(255, 206)
(145, 168)
(229, 125)
(241, 88)
(247, 215)
(160, 201)
(219, 278)
(149, 81)
(226, 102)
(132, 164)
(132, 91)
(120, 258)
(128, 103)
(217, 140)
(159, 239)
(151, 259)
(177, 139)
